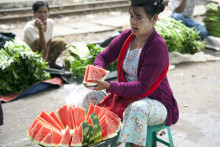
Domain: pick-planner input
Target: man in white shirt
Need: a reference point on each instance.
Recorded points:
(183, 10)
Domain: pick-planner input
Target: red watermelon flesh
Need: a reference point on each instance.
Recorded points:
(71, 116)
(95, 73)
(79, 115)
(46, 123)
(54, 116)
(102, 113)
(31, 130)
(52, 139)
(66, 139)
(90, 111)
(34, 130)
(50, 120)
(77, 137)
(107, 130)
(42, 133)
(97, 109)
(64, 116)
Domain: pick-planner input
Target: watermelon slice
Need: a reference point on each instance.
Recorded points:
(97, 109)
(66, 139)
(107, 130)
(71, 116)
(79, 115)
(77, 137)
(90, 111)
(42, 133)
(54, 116)
(64, 116)
(85, 133)
(91, 135)
(93, 72)
(50, 120)
(34, 130)
(52, 139)
(96, 128)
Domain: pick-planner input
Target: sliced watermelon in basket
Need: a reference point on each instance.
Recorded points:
(96, 128)
(50, 120)
(45, 128)
(79, 115)
(42, 133)
(71, 116)
(63, 114)
(90, 111)
(52, 139)
(54, 116)
(77, 137)
(97, 109)
(93, 72)
(66, 139)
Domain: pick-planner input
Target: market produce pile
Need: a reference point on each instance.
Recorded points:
(20, 67)
(212, 19)
(179, 37)
(73, 127)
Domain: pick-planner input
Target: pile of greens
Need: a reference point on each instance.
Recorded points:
(20, 67)
(78, 57)
(212, 19)
(179, 37)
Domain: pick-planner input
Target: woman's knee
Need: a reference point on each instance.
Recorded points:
(139, 107)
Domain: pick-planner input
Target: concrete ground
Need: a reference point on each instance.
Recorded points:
(195, 86)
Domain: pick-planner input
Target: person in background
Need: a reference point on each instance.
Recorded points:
(38, 34)
(142, 96)
(183, 10)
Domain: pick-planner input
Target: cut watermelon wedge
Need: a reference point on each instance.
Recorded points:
(93, 72)
(52, 139)
(54, 116)
(77, 138)
(90, 111)
(66, 139)
(71, 116)
(97, 109)
(64, 116)
(50, 120)
(79, 115)
(42, 133)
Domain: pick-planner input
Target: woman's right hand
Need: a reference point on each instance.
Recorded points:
(40, 25)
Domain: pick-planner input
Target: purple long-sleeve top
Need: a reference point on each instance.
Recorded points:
(152, 61)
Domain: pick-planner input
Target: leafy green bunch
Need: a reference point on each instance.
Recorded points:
(179, 37)
(20, 67)
(76, 59)
(212, 19)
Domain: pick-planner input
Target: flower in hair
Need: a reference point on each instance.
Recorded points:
(155, 3)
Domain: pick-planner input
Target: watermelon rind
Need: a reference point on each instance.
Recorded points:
(96, 128)
(85, 133)
(91, 135)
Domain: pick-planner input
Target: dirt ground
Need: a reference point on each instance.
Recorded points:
(195, 86)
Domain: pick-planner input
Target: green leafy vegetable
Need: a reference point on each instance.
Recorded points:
(212, 19)
(179, 37)
(20, 67)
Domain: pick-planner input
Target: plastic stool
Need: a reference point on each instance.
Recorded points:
(152, 136)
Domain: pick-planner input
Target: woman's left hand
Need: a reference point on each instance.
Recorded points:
(101, 85)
